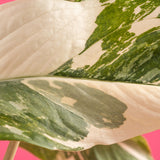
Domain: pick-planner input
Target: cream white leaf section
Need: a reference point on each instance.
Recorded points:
(88, 57)
(38, 36)
(149, 22)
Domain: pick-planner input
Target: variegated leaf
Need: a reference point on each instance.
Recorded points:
(134, 149)
(117, 41)
(72, 114)
(125, 46)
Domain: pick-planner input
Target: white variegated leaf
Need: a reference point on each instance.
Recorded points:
(104, 40)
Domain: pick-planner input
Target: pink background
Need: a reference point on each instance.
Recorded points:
(4, 1)
(152, 138)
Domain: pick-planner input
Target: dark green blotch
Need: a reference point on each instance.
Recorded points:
(97, 107)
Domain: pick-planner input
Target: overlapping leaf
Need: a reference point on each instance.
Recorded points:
(71, 114)
(134, 149)
(117, 41)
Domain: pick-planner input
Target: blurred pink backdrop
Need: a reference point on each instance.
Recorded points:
(5, 1)
(152, 138)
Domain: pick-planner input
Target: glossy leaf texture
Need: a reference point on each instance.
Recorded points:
(110, 49)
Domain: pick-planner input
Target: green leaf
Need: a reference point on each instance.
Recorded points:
(128, 150)
(42, 153)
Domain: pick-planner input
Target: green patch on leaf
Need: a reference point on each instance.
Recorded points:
(97, 107)
(28, 116)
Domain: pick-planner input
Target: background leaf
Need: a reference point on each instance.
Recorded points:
(134, 149)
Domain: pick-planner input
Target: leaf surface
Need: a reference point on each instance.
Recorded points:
(125, 46)
(134, 149)
(98, 40)
(38, 36)
(62, 113)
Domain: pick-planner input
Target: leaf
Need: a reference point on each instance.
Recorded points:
(104, 43)
(124, 47)
(70, 114)
(42, 153)
(128, 150)
(38, 36)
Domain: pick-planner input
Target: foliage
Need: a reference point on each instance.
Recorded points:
(76, 75)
